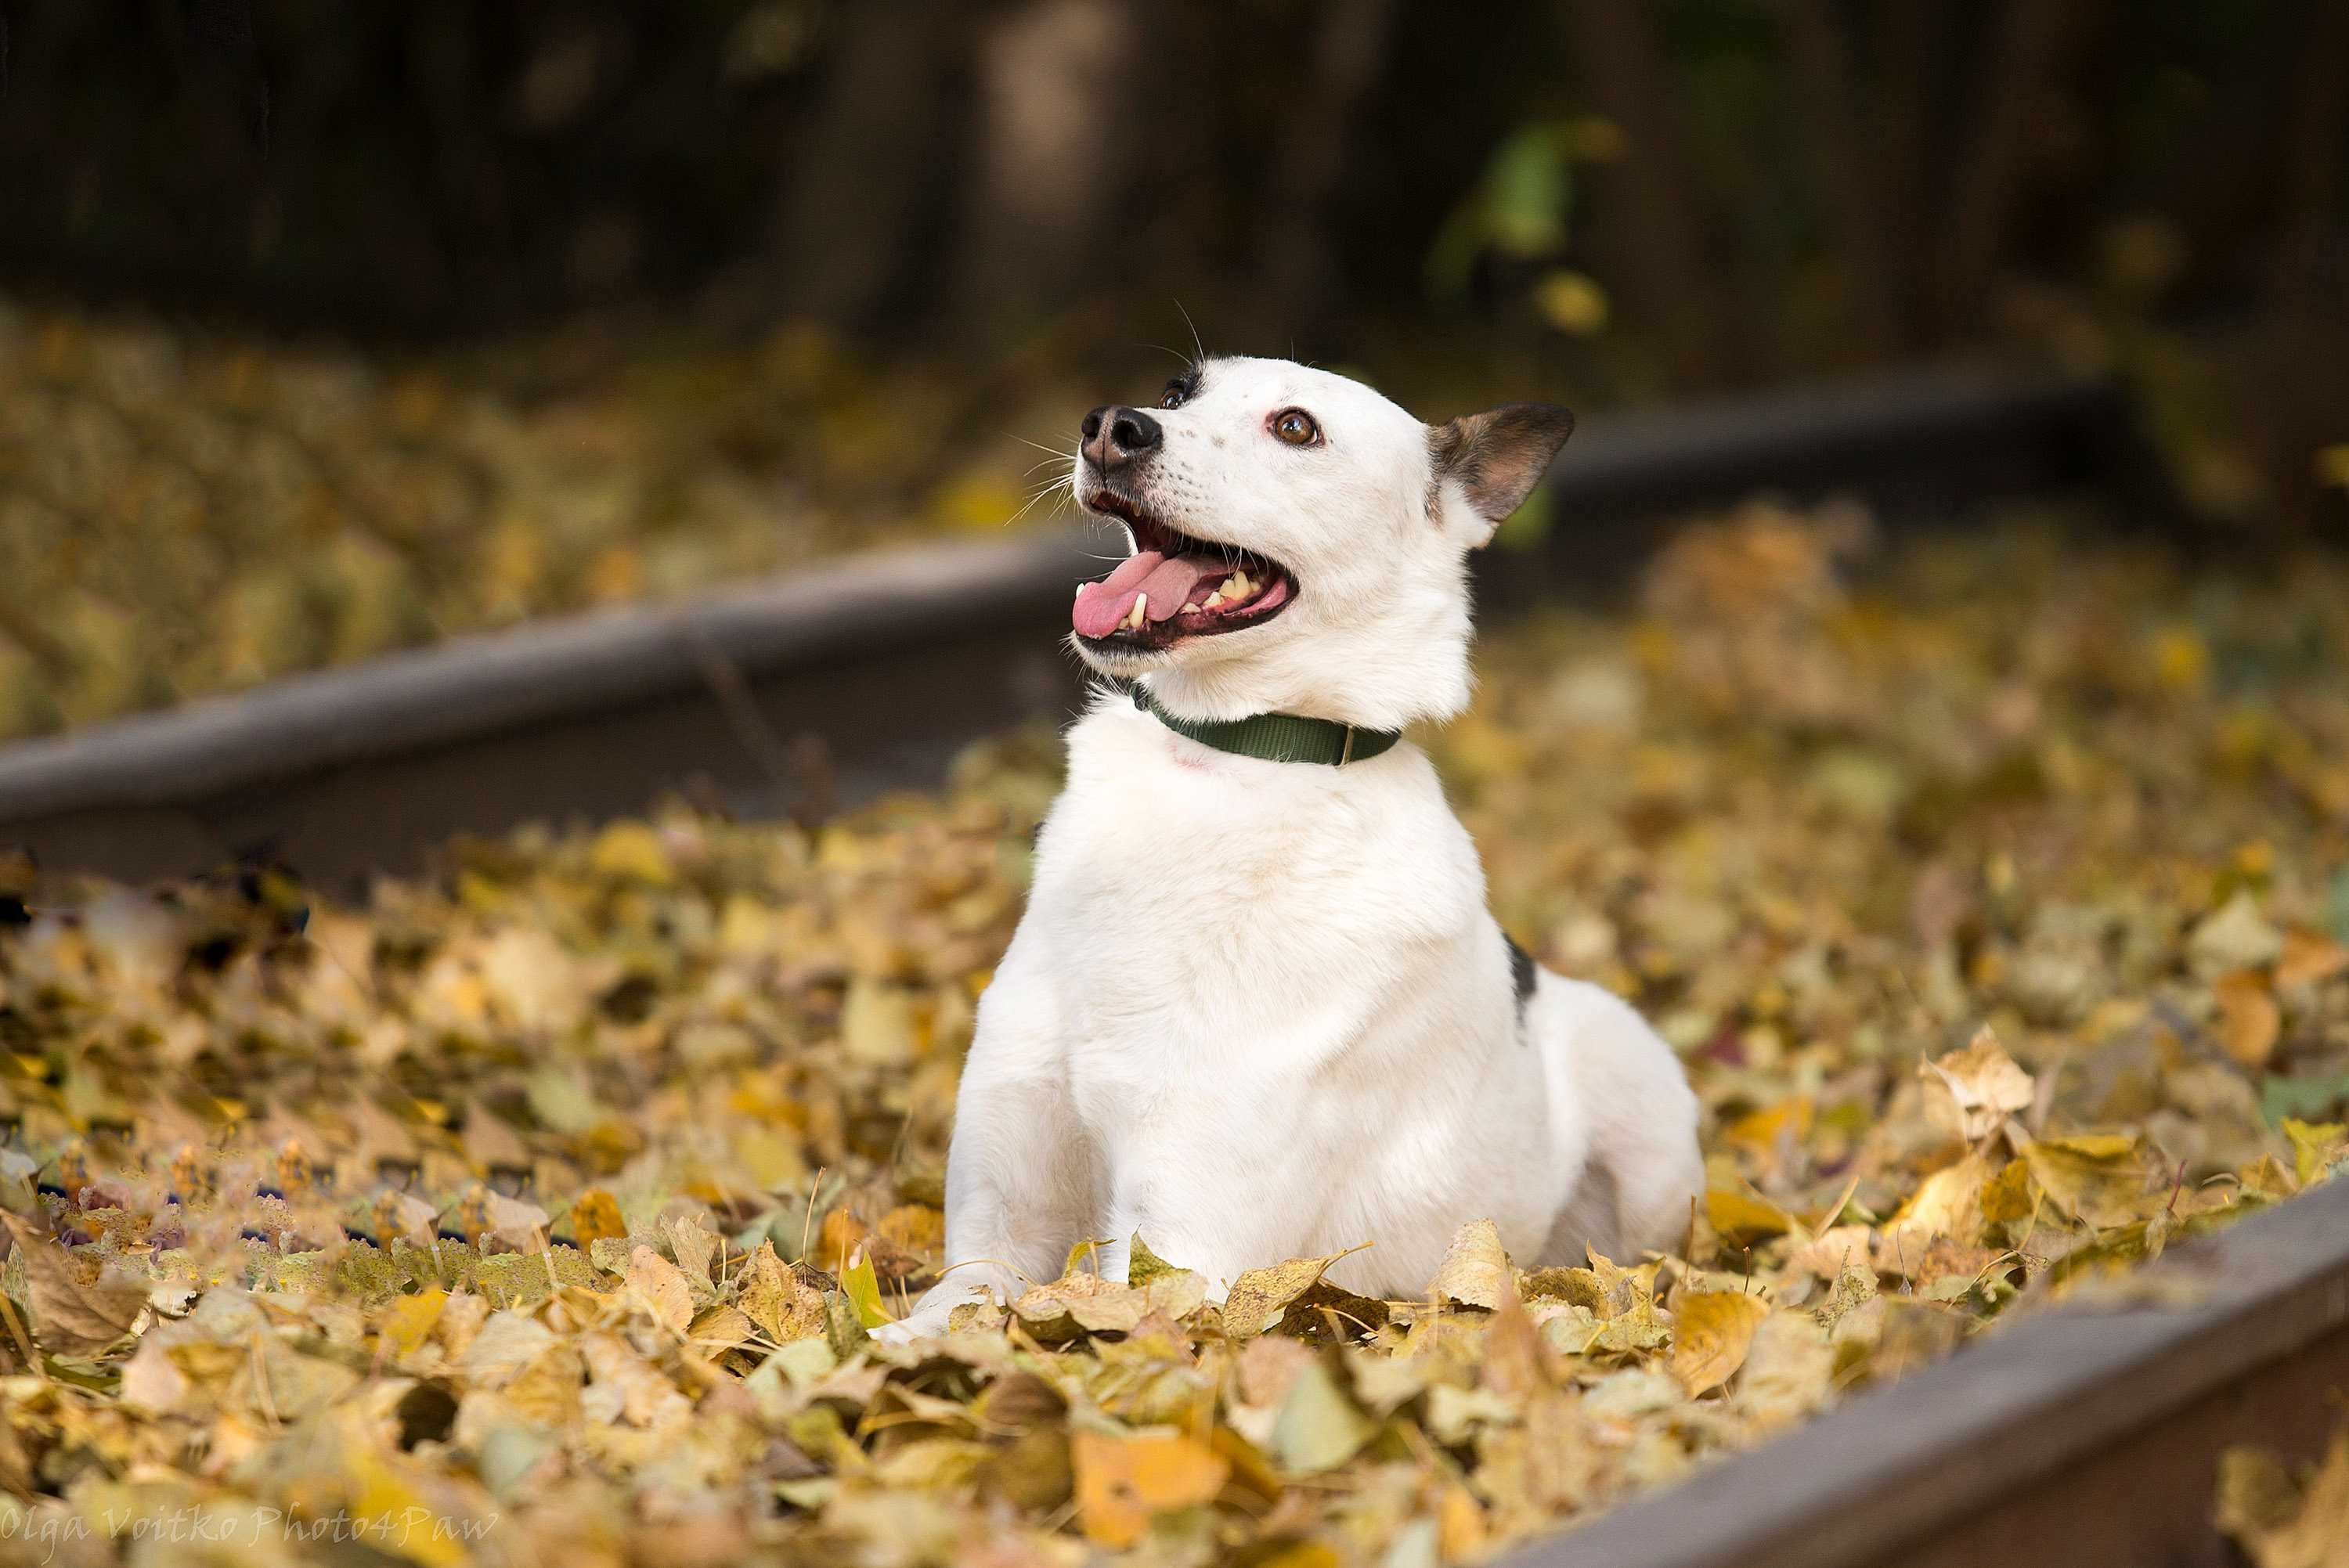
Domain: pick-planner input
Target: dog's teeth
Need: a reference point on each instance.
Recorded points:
(1212, 600)
(1140, 609)
(1192, 608)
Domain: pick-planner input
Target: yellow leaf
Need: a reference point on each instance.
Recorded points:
(2314, 1146)
(660, 1287)
(1258, 1297)
(1142, 1265)
(1475, 1272)
(1711, 1331)
(1765, 1132)
(409, 1320)
(2007, 1196)
(1946, 1203)
(1125, 1480)
(2098, 1178)
(785, 1308)
(862, 1288)
(1318, 1427)
(1741, 1218)
(397, 1518)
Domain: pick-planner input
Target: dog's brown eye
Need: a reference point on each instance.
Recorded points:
(1296, 428)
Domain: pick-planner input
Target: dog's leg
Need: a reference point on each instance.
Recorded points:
(1216, 1199)
(1644, 1170)
(1022, 1178)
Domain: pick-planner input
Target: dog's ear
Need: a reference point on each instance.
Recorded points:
(1499, 456)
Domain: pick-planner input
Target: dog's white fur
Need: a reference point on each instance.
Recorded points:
(1257, 1010)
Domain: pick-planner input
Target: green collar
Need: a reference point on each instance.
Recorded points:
(1277, 736)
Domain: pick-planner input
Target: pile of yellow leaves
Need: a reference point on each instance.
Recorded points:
(184, 512)
(1994, 890)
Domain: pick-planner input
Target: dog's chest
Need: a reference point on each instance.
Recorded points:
(1211, 915)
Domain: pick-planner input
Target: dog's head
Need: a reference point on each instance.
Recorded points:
(1299, 543)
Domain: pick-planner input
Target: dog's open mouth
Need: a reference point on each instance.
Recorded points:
(1174, 586)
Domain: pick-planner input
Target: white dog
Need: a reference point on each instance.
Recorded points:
(1257, 1009)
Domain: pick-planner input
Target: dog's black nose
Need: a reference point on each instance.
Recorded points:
(1115, 436)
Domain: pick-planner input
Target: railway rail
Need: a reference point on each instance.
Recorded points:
(2086, 1434)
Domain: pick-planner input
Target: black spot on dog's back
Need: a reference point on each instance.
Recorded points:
(1521, 974)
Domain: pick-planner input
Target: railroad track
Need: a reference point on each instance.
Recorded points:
(2084, 1435)
(835, 684)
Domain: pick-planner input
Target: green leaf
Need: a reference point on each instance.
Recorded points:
(862, 1288)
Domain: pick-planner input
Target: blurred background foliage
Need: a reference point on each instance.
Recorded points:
(329, 330)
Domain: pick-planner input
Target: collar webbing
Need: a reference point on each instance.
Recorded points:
(1277, 736)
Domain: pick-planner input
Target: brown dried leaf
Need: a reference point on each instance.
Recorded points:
(659, 1286)
(1981, 1084)
(1258, 1297)
(1475, 1272)
(77, 1309)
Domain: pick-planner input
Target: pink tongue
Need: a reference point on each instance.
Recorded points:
(1102, 607)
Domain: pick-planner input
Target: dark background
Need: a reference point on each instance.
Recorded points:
(811, 272)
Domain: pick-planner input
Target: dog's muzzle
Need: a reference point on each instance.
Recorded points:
(1116, 438)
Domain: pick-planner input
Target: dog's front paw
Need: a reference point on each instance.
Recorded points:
(929, 1320)
(920, 1324)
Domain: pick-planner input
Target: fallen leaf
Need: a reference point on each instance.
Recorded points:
(2097, 1177)
(1946, 1203)
(784, 1307)
(1741, 1218)
(1825, 1255)
(1983, 1084)
(1711, 1331)
(1142, 1265)
(659, 1286)
(1318, 1427)
(2314, 1146)
(77, 1308)
(1258, 1297)
(1475, 1272)
(1124, 1480)
(862, 1288)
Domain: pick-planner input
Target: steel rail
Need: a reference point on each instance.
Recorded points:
(2083, 1435)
